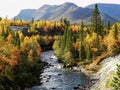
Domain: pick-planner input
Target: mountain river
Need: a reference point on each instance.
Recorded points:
(55, 77)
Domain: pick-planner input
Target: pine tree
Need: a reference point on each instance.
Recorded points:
(102, 33)
(96, 20)
(64, 38)
(7, 31)
(68, 46)
(88, 54)
(74, 37)
(81, 33)
(66, 22)
(115, 31)
(116, 79)
(66, 32)
(32, 20)
(109, 25)
(16, 39)
(81, 52)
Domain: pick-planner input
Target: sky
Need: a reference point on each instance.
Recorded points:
(10, 8)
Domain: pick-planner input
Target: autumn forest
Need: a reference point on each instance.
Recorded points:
(73, 44)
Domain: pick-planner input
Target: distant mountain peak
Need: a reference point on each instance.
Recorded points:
(69, 4)
(45, 6)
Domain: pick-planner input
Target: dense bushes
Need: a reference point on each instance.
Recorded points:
(20, 63)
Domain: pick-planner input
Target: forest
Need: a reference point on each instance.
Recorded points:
(74, 45)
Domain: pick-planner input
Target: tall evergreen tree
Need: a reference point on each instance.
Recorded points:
(82, 55)
(82, 26)
(64, 38)
(66, 22)
(69, 41)
(88, 54)
(115, 31)
(109, 25)
(96, 20)
(116, 79)
(32, 20)
(66, 31)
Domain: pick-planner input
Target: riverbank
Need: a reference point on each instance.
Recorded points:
(106, 73)
(101, 80)
(54, 76)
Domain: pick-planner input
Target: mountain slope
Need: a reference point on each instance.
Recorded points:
(25, 14)
(55, 12)
(112, 10)
(67, 10)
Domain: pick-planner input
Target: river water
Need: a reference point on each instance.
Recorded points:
(55, 77)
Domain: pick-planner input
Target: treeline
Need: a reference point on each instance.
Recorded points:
(87, 43)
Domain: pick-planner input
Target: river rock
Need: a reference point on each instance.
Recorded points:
(76, 88)
(59, 74)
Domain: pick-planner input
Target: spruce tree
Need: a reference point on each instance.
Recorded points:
(96, 20)
(32, 20)
(64, 38)
(109, 25)
(68, 46)
(88, 54)
(16, 39)
(81, 52)
(66, 31)
(116, 79)
(66, 22)
(80, 33)
(115, 31)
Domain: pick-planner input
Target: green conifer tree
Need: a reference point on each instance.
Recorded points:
(68, 46)
(109, 25)
(64, 38)
(115, 31)
(82, 55)
(96, 20)
(116, 79)
(88, 54)
(66, 32)
(81, 31)
(32, 20)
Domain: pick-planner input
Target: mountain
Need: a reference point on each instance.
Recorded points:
(67, 10)
(112, 10)
(25, 14)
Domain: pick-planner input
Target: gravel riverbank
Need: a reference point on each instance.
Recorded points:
(101, 80)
